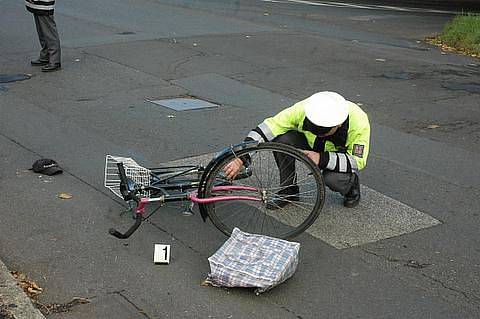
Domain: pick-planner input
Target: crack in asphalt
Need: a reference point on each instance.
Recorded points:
(474, 299)
(285, 308)
(174, 237)
(406, 262)
(140, 310)
(178, 63)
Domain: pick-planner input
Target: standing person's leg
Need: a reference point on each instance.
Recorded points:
(346, 184)
(47, 23)
(43, 58)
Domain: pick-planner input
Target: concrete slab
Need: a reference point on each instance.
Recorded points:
(86, 73)
(13, 301)
(227, 91)
(174, 59)
(377, 217)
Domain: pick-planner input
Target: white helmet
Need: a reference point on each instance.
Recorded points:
(326, 109)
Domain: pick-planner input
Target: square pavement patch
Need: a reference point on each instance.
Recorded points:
(184, 104)
(377, 217)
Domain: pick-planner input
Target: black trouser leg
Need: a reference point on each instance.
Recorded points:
(285, 163)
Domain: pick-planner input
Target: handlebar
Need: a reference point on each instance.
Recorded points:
(138, 220)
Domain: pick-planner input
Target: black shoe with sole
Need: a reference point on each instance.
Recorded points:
(284, 197)
(352, 198)
(51, 67)
(39, 62)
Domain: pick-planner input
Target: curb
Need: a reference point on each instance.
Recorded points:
(14, 299)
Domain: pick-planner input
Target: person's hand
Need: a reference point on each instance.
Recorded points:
(231, 169)
(314, 156)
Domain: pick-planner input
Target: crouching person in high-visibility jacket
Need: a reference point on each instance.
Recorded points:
(333, 132)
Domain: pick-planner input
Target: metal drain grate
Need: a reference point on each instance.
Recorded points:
(184, 104)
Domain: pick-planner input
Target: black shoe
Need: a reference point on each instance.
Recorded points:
(352, 198)
(39, 62)
(284, 197)
(51, 67)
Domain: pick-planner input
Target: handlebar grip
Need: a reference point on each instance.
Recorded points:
(130, 231)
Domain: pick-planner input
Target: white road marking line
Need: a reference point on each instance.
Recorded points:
(358, 6)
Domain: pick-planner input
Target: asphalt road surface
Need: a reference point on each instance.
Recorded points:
(253, 58)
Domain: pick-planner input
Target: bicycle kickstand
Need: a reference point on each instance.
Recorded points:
(188, 209)
(131, 208)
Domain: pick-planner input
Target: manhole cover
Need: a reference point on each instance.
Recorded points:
(184, 104)
(6, 78)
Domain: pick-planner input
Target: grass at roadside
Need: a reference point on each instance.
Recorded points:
(461, 35)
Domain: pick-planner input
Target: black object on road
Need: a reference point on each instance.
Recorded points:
(46, 166)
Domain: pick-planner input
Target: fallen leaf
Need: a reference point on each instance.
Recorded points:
(65, 196)
(30, 287)
(432, 126)
(380, 60)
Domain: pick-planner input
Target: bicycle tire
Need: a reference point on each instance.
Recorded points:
(254, 217)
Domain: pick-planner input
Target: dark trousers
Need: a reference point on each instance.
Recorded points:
(48, 37)
(337, 182)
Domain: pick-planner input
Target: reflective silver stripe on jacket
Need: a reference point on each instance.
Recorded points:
(255, 136)
(266, 131)
(40, 7)
(353, 162)
(342, 162)
(332, 161)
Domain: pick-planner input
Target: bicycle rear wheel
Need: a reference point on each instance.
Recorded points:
(264, 216)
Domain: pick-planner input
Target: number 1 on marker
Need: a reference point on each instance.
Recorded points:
(161, 254)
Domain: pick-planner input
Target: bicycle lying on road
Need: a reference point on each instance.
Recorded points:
(245, 202)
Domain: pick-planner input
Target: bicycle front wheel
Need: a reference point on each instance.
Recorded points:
(286, 188)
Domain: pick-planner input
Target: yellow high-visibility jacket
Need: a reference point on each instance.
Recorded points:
(344, 151)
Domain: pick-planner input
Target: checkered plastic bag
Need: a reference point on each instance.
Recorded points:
(250, 260)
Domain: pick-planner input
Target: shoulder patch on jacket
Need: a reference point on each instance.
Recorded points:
(358, 150)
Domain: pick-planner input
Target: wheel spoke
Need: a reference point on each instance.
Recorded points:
(284, 222)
